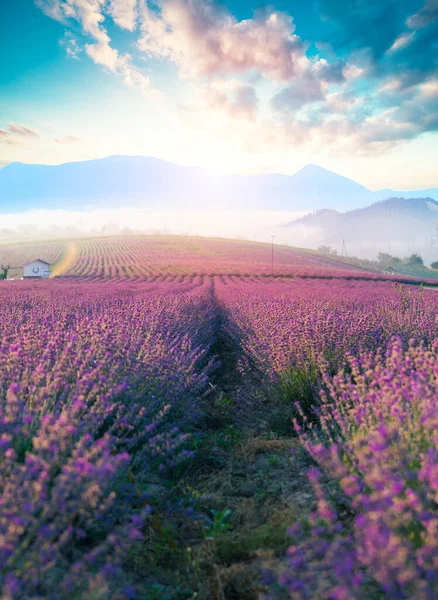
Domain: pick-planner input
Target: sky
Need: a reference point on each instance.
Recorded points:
(250, 87)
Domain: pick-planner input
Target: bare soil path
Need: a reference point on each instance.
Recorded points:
(245, 492)
(67, 260)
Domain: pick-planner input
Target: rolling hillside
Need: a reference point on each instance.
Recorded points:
(142, 259)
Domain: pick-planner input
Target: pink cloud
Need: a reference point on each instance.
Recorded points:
(15, 133)
(205, 39)
(69, 139)
(305, 90)
(234, 98)
(22, 130)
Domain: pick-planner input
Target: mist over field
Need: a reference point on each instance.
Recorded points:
(387, 228)
(253, 225)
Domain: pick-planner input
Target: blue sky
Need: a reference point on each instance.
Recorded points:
(351, 85)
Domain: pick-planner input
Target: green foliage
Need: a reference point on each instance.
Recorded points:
(387, 260)
(274, 460)
(229, 436)
(219, 523)
(326, 250)
(434, 265)
(224, 400)
(414, 260)
(157, 591)
(238, 547)
(4, 274)
(298, 385)
(383, 257)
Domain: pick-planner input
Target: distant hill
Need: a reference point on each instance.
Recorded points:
(397, 225)
(119, 181)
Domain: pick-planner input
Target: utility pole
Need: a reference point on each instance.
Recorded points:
(272, 236)
(344, 248)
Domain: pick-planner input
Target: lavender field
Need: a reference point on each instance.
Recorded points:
(198, 427)
(219, 300)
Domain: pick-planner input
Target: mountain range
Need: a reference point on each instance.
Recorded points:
(119, 181)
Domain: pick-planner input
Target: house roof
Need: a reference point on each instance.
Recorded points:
(37, 260)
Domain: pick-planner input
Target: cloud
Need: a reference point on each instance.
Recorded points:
(71, 46)
(425, 16)
(124, 13)
(402, 41)
(51, 8)
(6, 138)
(382, 55)
(342, 102)
(391, 85)
(429, 89)
(409, 114)
(103, 54)
(205, 39)
(90, 15)
(234, 98)
(409, 111)
(375, 30)
(22, 130)
(372, 25)
(312, 85)
(9, 140)
(352, 71)
(332, 73)
(305, 91)
(69, 139)
(17, 133)
(312, 117)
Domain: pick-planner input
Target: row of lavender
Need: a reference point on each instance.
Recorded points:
(290, 325)
(370, 355)
(97, 389)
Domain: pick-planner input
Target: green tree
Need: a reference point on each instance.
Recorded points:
(383, 257)
(414, 260)
(326, 250)
(4, 274)
(434, 265)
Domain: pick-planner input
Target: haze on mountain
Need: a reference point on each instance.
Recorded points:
(398, 226)
(151, 183)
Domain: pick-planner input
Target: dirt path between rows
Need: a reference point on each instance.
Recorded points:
(242, 472)
(67, 260)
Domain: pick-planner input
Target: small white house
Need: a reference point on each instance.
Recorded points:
(38, 269)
